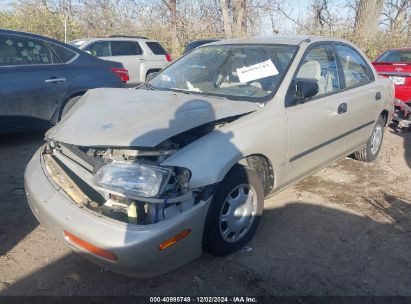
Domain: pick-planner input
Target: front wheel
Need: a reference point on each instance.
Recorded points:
(235, 212)
(370, 151)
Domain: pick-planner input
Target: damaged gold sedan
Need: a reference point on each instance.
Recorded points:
(141, 181)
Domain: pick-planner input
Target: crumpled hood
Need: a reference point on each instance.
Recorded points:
(139, 118)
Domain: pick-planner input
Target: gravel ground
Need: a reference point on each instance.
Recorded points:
(343, 231)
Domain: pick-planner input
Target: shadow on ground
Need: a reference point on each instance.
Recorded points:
(15, 215)
(300, 249)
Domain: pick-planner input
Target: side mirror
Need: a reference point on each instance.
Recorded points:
(305, 88)
(151, 76)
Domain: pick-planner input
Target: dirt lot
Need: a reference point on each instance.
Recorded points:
(344, 231)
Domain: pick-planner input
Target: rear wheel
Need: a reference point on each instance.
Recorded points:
(370, 151)
(235, 212)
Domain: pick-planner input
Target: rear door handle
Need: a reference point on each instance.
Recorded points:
(378, 96)
(55, 80)
(342, 108)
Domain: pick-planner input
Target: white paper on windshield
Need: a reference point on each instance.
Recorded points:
(257, 71)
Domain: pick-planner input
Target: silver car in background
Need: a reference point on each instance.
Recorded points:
(142, 57)
(141, 181)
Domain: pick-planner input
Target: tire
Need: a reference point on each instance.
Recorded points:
(69, 104)
(370, 151)
(219, 236)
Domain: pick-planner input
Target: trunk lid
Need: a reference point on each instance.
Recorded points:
(399, 72)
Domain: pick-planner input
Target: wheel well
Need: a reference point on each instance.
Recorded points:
(384, 114)
(67, 99)
(151, 71)
(260, 164)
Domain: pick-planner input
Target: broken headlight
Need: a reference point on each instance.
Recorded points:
(134, 180)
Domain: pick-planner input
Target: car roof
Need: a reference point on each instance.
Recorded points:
(399, 49)
(280, 39)
(45, 38)
(117, 38)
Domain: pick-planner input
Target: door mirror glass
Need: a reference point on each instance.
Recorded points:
(151, 76)
(305, 89)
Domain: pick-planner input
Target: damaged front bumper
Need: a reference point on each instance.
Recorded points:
(136, 247)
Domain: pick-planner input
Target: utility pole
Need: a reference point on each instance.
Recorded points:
(65, 28)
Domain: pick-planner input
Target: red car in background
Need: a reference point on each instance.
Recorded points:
(396, 64)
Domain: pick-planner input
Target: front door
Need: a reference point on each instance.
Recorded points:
(316, 125)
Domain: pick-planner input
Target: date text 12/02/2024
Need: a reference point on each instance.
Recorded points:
(238, 299)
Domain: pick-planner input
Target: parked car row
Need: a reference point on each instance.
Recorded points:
(43, 78)
(142, 180)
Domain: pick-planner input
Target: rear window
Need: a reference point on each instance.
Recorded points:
(125, 48)
(395, 56)
(156, 48)
(64, 54)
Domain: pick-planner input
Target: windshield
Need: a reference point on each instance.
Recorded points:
(395, 56)
(239, 71)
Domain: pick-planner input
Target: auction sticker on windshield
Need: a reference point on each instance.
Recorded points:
(257, 71)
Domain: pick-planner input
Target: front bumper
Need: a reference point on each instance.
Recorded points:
(136, 246)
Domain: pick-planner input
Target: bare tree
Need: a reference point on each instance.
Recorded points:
(234, 14)
(396, 14)
(239, 17)
(225, 11)
(172, 7)
(321, 14)
(367, 16)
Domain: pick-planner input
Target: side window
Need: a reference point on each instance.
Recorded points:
(125, 48)
(156, 48)
(64, 54)
(19, 50)
(356, 70)
(99, 49)
(320, 64)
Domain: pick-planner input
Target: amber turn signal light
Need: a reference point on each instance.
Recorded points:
(178, 237)
(89, 247)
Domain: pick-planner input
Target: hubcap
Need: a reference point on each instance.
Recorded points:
(238, 213)
(376, 139)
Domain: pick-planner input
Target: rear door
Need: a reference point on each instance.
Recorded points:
(316, 126)
(362, 94)
(33, 82)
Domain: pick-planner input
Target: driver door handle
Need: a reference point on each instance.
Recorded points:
(342, 108)
(55, 80)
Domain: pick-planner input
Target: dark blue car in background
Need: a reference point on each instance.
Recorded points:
(41, 78)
